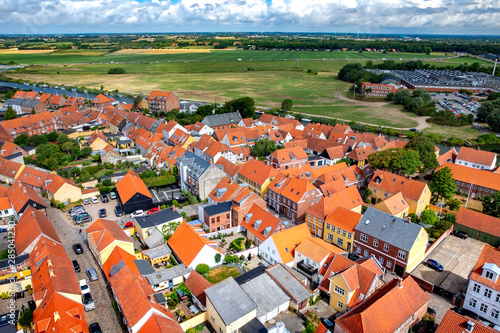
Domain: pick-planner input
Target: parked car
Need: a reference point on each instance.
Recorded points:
(434, 265)
(102, 212)
(460, 234)
(88, 302)
(77, 212)
(86, 201)
(104, 198)
(137, 213)
(128, 225)
(92, 274)
(75, 208)
(95, 328)
(94, 200)
(153, 210)
(465, 312)
(76, 266)
(78, 248)
(112, 195)
(118, 211)
(79, 216)
(84, 287)
(84, 219)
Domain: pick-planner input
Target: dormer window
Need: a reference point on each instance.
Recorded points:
(489, 275)
(491, 271)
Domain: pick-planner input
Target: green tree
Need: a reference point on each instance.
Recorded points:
(52, 136)
(426, 149)
(427, 50)
(245, 106)
(414, 104)
(286, 105)
(402, 96)
(491, 204)
(493, 120)
(351, 72)
(409, 162)
(442, 185)
(75, 171)
(218, 258)
(62, 138)
(228, 259)
(10, 113)
(21, 139)
(137, 100)
(26, 318)
(424, 94)
(454, 204)
(116, 70)
(86, 151)
(67, 147)
(263, 147)
(203, 269)
(395, 160)
(429, 217)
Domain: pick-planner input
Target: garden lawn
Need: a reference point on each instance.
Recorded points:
(222, 273)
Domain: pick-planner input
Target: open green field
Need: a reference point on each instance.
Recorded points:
(464, 132)
(468, 61)
(89, 56)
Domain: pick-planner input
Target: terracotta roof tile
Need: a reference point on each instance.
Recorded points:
(392, 183)
(228, 167)
(60, 314)
(344, 218)
(456, 323)
(348, 198)
(483, 178)
(286, 241)
(317, 249)
(129, 185)
(19, 194)
(119, 255)
(31, 226)
(257, 171)
(260, 222)
(489, 255)
(105, 232)
(394, 204)
(476, 156)
(197, 284)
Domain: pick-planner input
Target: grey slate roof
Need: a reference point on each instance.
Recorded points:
(196, 165)
(158, 218)
(230, 300)
(154, 239)
(158, 252)
(168, 274)
(144, 267)
(265, 293)
(16, 261)
(222, 119)
(389, 229)
(218, 208)
(289, 283)
(253, 326)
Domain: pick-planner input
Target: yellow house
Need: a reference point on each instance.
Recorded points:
(103, 236)
(257, 175)
(97, 141)
(63, 190)
(162, 222)
(340, 226)
(157, 255)
(385, 184)
(229, 307)
(395, 205)
(349, 283)
(315, 216)
(143, 104)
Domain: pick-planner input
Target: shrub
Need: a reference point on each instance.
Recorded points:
(228, 259)
(237, 244)
(163, 207)
(175, 203)
(5, 295)
(218, 257)
(203, 269)
(116, 70)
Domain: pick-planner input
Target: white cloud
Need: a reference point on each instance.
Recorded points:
(440, 16)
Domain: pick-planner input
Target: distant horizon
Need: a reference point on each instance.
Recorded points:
(400, 17)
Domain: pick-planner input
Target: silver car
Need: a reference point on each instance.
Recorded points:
(92, 274)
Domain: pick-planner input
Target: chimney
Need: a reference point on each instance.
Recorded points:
(408, 219)
(470, 326)
(51, 272)
(400, 284)
(280, 326)
(173, 208)
(230, 180)
(56, 316)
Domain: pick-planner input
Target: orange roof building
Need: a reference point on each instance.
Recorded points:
(397, 305)
(191, 246)
(395, 205)
(260, 224)
(280, 247)
(119, 258)
(197, 284)
(31, 228)
(483, 182)
(340, 226)
(101, 101)
(287, 158)
(477, 159)
(257, 175)
(456, 323)
(134, 194)
(103, 236)
(22, 196)
(163, 101)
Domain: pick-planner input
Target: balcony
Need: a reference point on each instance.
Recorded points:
(307, 269)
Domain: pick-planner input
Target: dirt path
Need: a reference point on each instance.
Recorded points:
(349, 101)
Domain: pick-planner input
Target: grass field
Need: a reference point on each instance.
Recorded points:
(222, 273)
(468, 61)
(88, 56)
(464, 132)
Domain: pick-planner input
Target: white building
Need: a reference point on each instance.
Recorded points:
(477, 159)
(483, 292)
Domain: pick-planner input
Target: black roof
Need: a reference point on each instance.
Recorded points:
(161, 217)
(6, 320)
(253, 326)
(218, 208)
(17, 261)
(250, 275)
(118, 174)
(13, 156)
(144, 267)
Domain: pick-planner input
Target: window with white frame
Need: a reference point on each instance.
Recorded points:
(483, 308)
(489, 275)
(340, 241)
(381, 260)
(389, 264)
(487, 293)
(358, 250)
(401, 254)
(494, 313)
(497, 299)
(349, 235)
(339, 290)
(472, 302)
(338, 230)
(366, 253)
(363, 238)
(476, 288)
(386, 247)
(340, 305)
(330, 237)
(375, 242)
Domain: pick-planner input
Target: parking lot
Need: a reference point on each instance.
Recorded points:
(458, 257)
(456, 103)
(93, 210)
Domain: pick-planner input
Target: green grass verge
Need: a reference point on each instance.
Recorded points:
(221, 273)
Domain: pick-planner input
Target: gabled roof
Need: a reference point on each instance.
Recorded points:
(188, 241)
(197, 285)
(344, 218)
(222, 119)
(289, 155)
(257, 171)
(195, 164)
(318, 145)
(105, 232)
(228, 167)
(489, 258)
(386, 181)
(394, 204)
(476, 156)
(260, 222)
(101, 99)
(361, 153)
(32, 225)
(226, 190)
(479, 221)
(19, 194)
(317, 249)
(296, 143)
(348, 198)
(389, 229)
(160, 324)
(448, 157)
(59, 314)
(482, 178)
(386, 309)
(456, 323)
(159, 95)
(56, 182)
(131, 184)
(287, 240)
(118, 259)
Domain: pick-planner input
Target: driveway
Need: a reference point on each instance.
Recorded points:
(69, 235)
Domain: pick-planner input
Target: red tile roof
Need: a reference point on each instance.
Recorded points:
(59, 314)
(105, 232)
(227, 190)
(392, 183)
(286, 241)
(257, 171)
(32, 225)
(490, 256)
(483, 178)
(386, 310)
(118, 255)
(228, 167)
(360, 154)
(479, 221)
(129, 185)
(197, 285)
(19, 194)
(448, 157)
(456, 323)
(257, 220)
(160, 324)
(348, 198)
(344, 218)
(476, 156)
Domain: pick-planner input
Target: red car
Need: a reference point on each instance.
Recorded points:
(153, 210)
(128, 225)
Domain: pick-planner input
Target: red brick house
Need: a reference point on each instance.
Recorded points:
(217, 216)
(379, 89)
(287, 158)
(160, 100)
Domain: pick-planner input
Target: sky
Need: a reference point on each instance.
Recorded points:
(464, 17)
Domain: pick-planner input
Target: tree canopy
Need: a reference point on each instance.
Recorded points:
(245, 105)
(491, 204)
(396, 160)
(10, 113)
(442, 185)
(264, 147)
(286, 105)
(426, 150)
